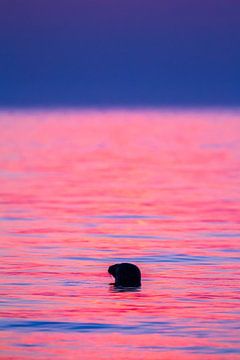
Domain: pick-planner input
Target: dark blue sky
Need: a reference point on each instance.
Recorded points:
(119, 52)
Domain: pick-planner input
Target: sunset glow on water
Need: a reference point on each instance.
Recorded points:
(81, 190)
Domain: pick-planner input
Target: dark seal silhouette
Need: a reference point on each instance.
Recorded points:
(125, 274)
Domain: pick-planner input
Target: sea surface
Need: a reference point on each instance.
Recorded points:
(82, 190)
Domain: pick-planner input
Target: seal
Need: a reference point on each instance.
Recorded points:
(125, 274)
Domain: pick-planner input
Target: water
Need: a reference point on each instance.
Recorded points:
(81, 190)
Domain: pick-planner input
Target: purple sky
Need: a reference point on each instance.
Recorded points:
(123, 53)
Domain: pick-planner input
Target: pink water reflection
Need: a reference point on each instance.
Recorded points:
(82, 190)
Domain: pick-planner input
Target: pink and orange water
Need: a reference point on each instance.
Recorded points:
(81, 190)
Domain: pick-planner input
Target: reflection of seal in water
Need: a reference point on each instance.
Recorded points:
(125, 274)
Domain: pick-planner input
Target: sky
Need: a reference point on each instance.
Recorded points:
(119, 53)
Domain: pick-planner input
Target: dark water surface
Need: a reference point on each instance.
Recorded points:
(80, 191)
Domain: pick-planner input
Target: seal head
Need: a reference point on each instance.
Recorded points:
(125, 274)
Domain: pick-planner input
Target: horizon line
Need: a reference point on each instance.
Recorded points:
(114, 108)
